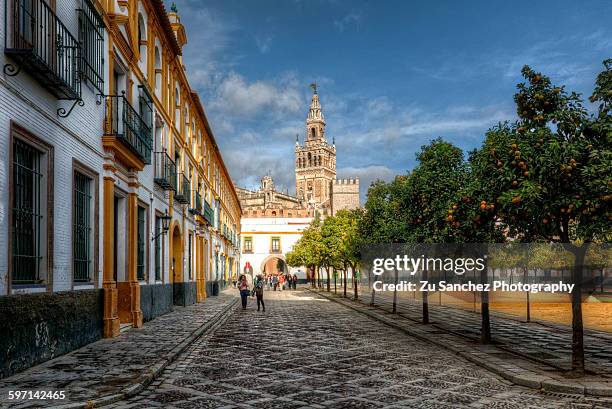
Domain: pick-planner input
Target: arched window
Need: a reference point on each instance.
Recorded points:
(158, 73)
(177, 106)
(313, 133)
(142, 38)
(309, 160)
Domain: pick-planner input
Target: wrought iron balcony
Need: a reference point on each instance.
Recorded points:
(209, 214)
(183, 191)
(197, 205)
(165, 171)
(124, 123)
(38, 41)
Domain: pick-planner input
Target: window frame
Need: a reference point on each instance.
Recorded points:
(21, 133)
(79, 167)
(248, 249)
(272, 240)
(145, 235)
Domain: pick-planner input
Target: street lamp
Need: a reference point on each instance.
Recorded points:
(165, 219)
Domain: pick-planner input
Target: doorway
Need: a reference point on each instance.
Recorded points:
(176, 260)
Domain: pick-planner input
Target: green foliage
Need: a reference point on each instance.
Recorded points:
(546, 177)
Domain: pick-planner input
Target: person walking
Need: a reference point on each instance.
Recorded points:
(275, 282)
(243, 287)
(295, 281)
(281, 282)
(259, 290)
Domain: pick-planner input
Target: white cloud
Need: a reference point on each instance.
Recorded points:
(236, 96)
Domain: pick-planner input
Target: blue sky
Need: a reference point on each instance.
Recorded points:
(392, 75)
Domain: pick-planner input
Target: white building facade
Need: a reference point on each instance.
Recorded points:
(115, 203)
(265, 240)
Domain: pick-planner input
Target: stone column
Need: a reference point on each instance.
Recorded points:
(109, 286)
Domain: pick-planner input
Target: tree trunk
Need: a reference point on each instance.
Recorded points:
(355, 281)
(395, 279)
(528, 302)
(370, 283)
(485, 331)
(312, 277)
(425, 296)
(577, 325)
(328, 279)
(345, 279)
(335, 280)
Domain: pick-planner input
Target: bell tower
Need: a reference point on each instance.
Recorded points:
(315, 161)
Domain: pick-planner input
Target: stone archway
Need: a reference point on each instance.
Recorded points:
(271, 264)
(176, 266)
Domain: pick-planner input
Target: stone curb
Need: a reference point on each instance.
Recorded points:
(513, 373)
(145, 379)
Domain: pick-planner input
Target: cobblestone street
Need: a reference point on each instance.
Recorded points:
(305, 351)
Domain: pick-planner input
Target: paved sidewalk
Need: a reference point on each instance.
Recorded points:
(526, 354)
(308, 352)
(112, 369)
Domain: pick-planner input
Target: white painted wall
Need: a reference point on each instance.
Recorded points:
(261, 230)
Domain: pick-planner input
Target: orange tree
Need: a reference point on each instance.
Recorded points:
(426, 195)
(547, 177)
(379, 223)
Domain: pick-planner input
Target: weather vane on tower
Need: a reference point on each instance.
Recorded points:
(314, 87)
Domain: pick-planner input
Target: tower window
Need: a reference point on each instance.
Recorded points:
(313, 133)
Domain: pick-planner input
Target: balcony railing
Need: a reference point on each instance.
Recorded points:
(165, 171)
(183, 190)
(209, 214)
(123, 122)
(197, 205)
(39, 42)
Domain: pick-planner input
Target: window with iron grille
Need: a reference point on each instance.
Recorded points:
(91, 37)
(82, 229)
(140, 263)
(158, 249)
(27, 215)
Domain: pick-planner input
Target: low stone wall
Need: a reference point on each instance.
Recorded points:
(38, 327)
(185, 293)
(155, 300)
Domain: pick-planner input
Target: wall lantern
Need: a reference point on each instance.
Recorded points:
(165, 220)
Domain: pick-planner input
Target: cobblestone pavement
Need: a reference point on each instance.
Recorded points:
(107, 366)
(305, 351)
(545, 342)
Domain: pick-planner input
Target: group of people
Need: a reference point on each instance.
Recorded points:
(256, 291)
(278, 281)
